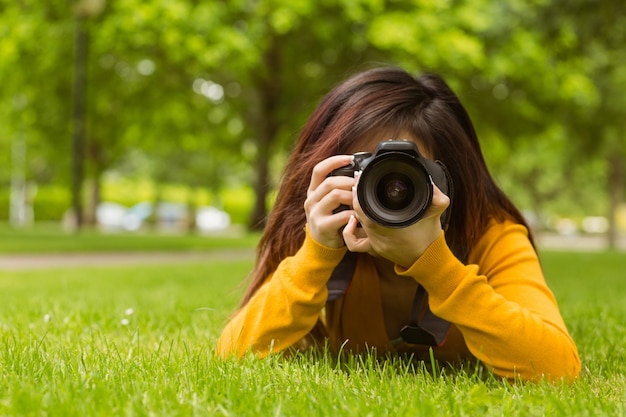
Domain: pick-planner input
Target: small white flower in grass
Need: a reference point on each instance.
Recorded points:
(124, 322)
(129, 312)
(47, 318)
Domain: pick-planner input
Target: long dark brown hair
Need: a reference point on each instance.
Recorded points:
(390, 100)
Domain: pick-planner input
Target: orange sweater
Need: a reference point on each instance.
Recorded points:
(501, 309)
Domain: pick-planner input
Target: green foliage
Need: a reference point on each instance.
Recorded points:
(236, 201)
(140, 340)
(51, 203)
(210, 93)
(4, 205)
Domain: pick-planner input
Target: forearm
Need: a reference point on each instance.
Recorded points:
(506, 313)
(286, 307)
(512, 339)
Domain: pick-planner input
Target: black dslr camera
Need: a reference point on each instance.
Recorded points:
(396, 184)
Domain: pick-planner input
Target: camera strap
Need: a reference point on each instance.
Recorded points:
(427, 330)
(340, 279)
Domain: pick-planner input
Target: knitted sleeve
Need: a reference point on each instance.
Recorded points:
(501, 303)
(286, 307)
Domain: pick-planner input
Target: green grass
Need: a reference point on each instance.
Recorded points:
(71, 346)
(51, 239)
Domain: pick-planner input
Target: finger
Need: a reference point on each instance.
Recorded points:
(352, 241)
(331, 193)
(329, 202)
(325, 167)
(360, 214)
(331, 224)
(440, 202)
(356, 206)
(439, 198)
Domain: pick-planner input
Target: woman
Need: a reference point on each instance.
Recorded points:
(474, 291)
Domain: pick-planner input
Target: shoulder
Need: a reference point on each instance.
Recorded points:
(498, 228)
(503, 240)
(504, 231)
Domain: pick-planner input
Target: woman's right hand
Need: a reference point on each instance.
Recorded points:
(326, 194)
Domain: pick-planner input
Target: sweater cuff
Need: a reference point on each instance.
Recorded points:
(316, 261)
(437, 270)
(311, 244)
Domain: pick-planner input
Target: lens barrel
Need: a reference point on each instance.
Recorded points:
(395, 189)
(396, 183)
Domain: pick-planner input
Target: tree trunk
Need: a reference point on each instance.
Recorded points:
(18, 193)
(153, 220)
(78, 119)
(261, 186)
(616, 186)
(269, 92)
(192, 210)
(94, 198)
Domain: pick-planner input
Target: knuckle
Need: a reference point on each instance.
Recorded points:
(318, 168)
(335, 194)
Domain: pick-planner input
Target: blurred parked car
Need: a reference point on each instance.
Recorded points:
(110, 216)
(168, 216)
(211, 219)
(172, 216)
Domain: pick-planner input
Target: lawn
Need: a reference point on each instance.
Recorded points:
(139, 340)
(51, 239)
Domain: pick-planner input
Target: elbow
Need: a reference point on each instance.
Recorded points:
(561, 365)
(553, 369)
(564, 370)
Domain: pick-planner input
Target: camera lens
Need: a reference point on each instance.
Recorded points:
(395, 190)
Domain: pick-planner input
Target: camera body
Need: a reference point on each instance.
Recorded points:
(395, 187)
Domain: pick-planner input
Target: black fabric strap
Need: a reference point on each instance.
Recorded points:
(342, 275)
(429, 329)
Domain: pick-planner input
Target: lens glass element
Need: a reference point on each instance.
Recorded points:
(395, 190)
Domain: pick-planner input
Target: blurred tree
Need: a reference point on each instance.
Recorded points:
(34, 103)
(83, 11)
(144, 100)
(580, 90)
(489, 65)
(284, 55)
(585, 40)
(133, 90)
(207, 91)
(516, 99)
(298, 50)
(543, 81)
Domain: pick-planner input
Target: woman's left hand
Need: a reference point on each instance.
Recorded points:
(402, 246)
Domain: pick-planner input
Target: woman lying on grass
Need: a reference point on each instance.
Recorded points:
(463, 279)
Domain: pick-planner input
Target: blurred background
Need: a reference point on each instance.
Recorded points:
(178, 115)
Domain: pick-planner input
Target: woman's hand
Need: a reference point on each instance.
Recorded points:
(326, 194)
(402, 246)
